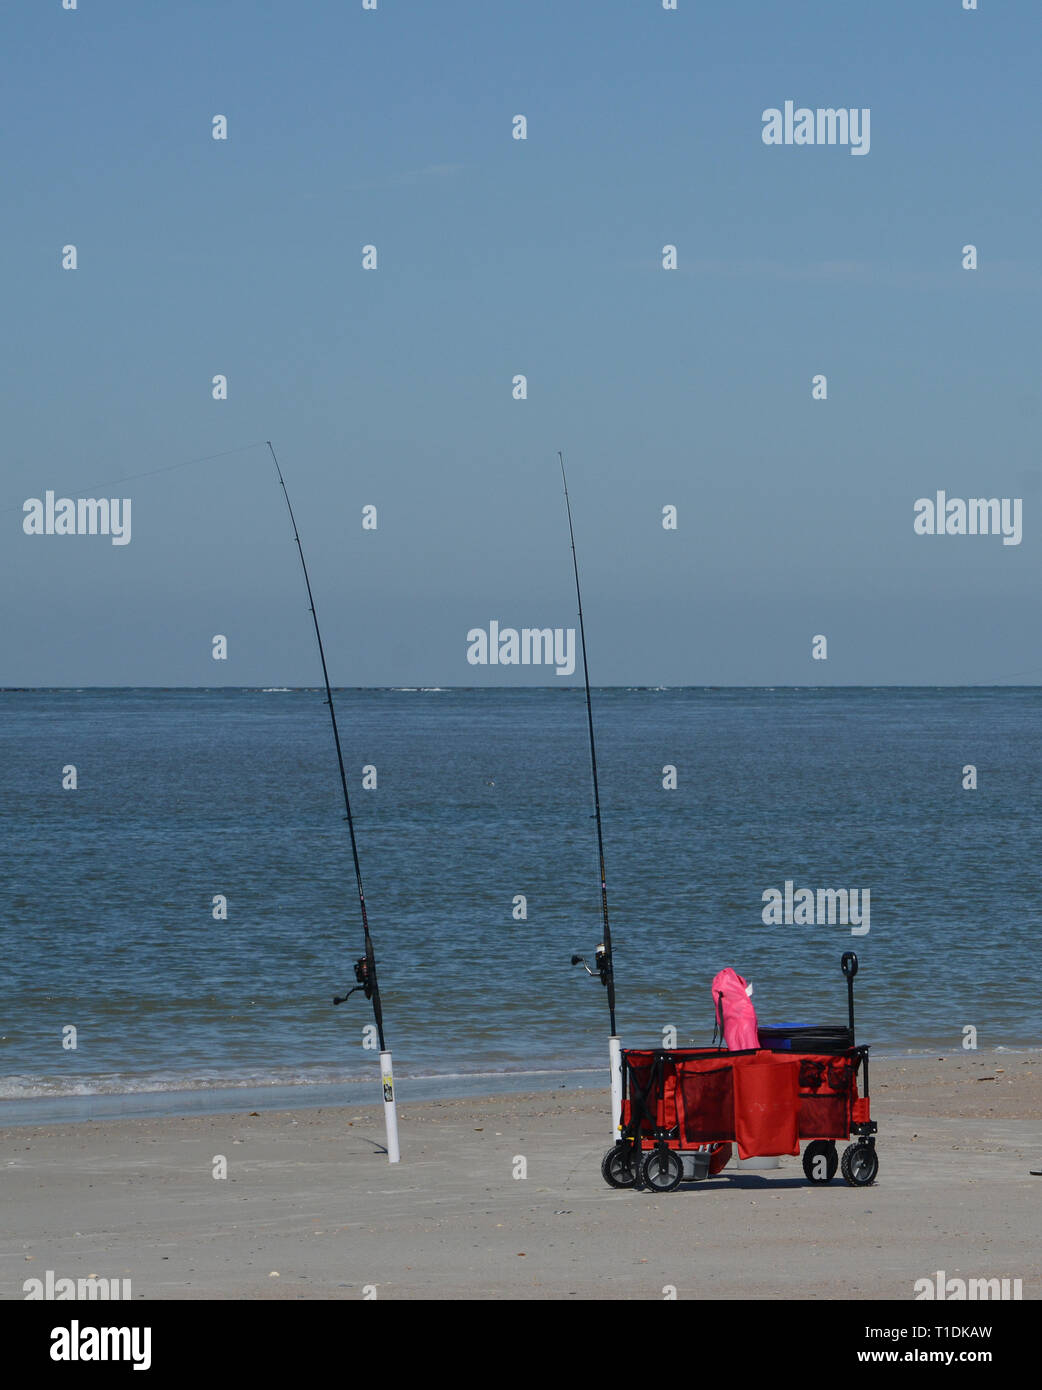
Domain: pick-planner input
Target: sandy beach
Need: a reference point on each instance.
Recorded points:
(310, 1207)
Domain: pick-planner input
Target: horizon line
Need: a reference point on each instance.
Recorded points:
(437, 689)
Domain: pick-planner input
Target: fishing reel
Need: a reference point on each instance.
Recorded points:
(601, 960)
(364, 983)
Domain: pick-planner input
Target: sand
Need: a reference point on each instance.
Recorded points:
(310, 1207)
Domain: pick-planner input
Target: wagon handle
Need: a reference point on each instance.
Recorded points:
(848, 965)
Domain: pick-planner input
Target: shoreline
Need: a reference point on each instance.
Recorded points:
(295, 1095)
(215, 1098)
(310, 1207)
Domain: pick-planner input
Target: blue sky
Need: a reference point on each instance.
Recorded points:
(496, 257)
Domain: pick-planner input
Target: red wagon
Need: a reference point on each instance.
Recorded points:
(683, 1110)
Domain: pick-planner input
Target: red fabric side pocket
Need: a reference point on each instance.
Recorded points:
(766, 1097)
(720, 1159)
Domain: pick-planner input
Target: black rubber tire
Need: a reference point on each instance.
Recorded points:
(663, 1170)
(620, 1166)
(820, 1148)
(860, 1164)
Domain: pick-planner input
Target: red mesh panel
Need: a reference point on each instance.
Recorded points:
(812, 1074)
(839, 1074)
(819, 1073)
(824, 1117)
(859, 1111)
(705, 1101)
(826, 1089)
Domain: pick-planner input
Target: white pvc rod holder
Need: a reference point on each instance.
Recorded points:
(394, 1153)
(615, 1057)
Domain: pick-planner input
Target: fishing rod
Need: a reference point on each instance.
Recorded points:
(365, 968)
(605, 966)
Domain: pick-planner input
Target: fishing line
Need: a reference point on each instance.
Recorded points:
(152, 472)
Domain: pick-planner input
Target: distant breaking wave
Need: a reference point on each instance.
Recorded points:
(14, 1088)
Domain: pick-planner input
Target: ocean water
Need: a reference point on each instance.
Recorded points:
(483, 797)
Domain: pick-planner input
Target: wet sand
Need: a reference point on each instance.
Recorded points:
(310, 1207)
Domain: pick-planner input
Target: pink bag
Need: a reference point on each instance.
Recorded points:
(735, 1015)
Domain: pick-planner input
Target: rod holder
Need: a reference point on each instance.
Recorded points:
(394, 1153)
(615, 1062)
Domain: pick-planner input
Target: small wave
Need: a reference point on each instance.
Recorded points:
(46, 1088)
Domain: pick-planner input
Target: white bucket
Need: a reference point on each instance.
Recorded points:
(759, 1164)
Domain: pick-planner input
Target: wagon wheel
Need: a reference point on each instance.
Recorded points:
(620, 1166)
(860, 1164)
(663, 1170)
(820, 1161)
